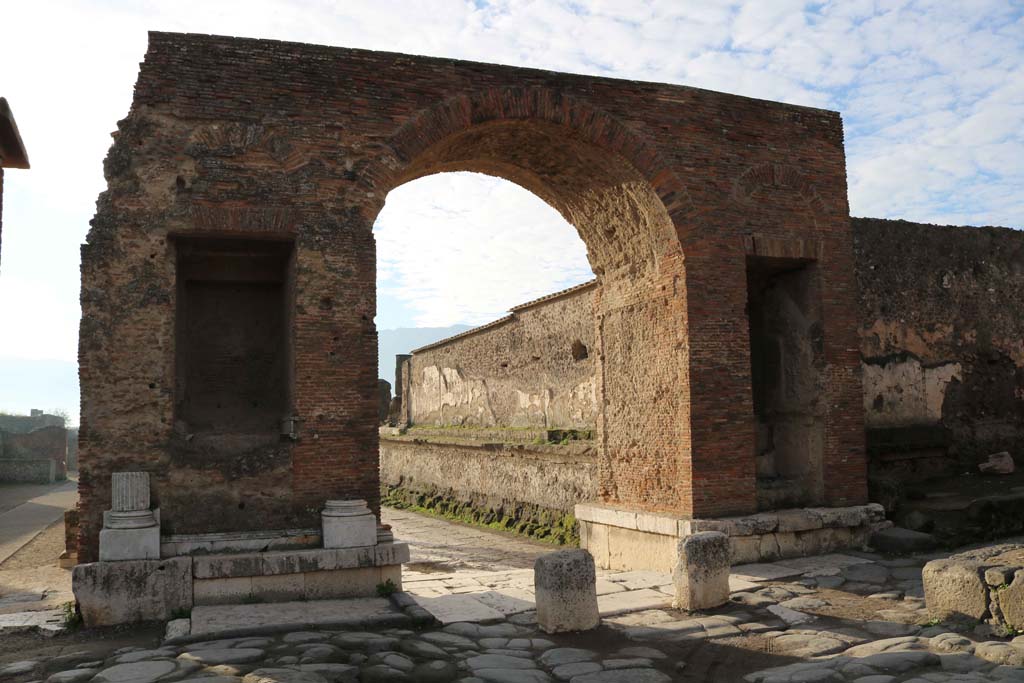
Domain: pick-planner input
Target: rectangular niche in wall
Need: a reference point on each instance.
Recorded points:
(233, 336)
(786, 362)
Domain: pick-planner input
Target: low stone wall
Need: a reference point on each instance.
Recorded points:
(45, 443)
(531, 489)
(130, 591)
(28, 470)
(978, 585)
(628, 540)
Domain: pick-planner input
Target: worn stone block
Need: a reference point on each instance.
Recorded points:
(656, 524)
(629, 549)
(224, 591)
(744, 549)
(126, 592)
(130, 544)
(954, 590)
(701, 576)
(841, 516)
(565, 585)
(798, 520)
(1009, 600)
(594, 539)
(608, 516)
(279, 587)
(343, 583)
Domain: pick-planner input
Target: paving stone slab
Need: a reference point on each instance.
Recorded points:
(760, 572)
(450, 609)
(270, 617)
(137, 672)
(508, 601)
(631, 601)
(486, 661)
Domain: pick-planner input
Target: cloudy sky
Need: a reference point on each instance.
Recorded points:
(931, 92)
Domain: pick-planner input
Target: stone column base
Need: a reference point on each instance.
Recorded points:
(130, 544)
(626, 539)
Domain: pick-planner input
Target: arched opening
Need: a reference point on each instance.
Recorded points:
(634, 344)
(478, 282)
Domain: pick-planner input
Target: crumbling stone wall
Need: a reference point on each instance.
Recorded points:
(22, 424)
(532, 368)
(244, 139)
(528, 488)
(941, 341)
(47, 444)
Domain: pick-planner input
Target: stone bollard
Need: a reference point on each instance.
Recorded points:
(701, 576)
(565, 585)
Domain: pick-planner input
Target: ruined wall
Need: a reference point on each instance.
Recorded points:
(22, 424)
(534, 368)
(941, 340)
(253, 139)
(527, 488)
(45, 444)
(30, 471)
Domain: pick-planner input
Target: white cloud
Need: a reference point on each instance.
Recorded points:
(932, 94)
(464, 248)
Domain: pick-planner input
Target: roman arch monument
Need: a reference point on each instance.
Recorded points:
(228, 346)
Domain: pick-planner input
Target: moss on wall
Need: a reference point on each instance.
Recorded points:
(542, 524)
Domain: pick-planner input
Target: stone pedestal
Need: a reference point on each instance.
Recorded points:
(701, 576)
(565, 584)
(131, 531)
(348, 524)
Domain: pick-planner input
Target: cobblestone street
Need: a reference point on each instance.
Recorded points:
(439, 545)
(852, 617)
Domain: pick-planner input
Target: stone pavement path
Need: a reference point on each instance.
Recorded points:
(439, 545)
(470, 653)
(850, 617)
(21, 523)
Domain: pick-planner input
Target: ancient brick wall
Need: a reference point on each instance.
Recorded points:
(671, 188)
(532, 368)
(941, 330)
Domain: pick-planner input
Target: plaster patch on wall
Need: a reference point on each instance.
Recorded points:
(902, 391)
(444, 396)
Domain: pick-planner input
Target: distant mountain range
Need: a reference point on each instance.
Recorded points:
(390, 343)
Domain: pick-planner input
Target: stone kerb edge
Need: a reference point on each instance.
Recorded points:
(792, 520)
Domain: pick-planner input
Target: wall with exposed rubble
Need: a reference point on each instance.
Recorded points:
(528, 488)
(534, 368)
(941, 341)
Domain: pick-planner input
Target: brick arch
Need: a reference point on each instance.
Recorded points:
(459, 113)
(774, 178)
(604, 178)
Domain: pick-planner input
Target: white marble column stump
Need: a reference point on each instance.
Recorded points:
(131, 531)
(129, 491)
(348, 524)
